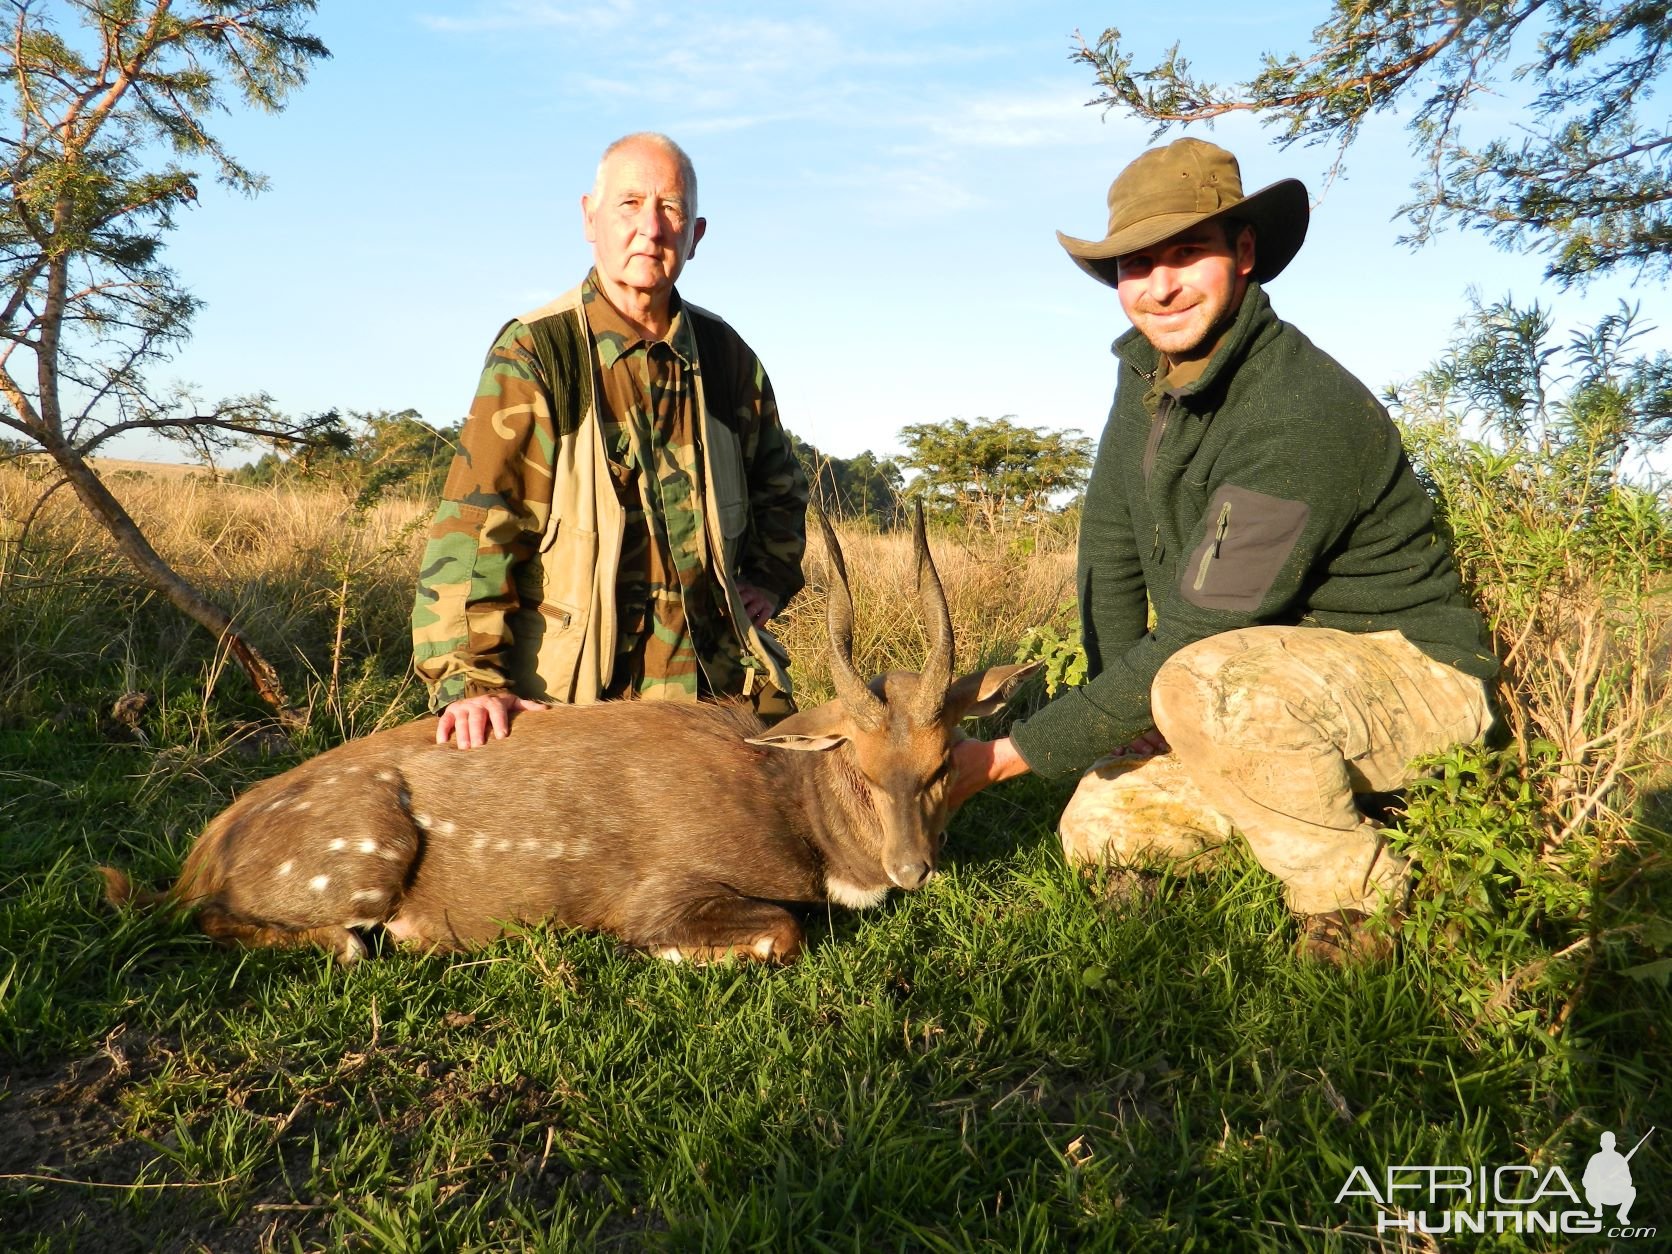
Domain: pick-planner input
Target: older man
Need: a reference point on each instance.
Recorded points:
(1309, 635)
(625, 512)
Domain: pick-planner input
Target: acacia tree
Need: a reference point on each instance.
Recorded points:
(91, 179)
(1586, 178)
(993, 471)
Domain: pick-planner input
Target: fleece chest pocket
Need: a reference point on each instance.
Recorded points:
(1247, 537)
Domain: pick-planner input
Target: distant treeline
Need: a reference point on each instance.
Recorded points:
(990, 472)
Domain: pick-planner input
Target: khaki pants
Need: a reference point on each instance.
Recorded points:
(1272, 731)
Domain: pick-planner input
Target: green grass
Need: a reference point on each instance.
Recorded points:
(1006, 1060)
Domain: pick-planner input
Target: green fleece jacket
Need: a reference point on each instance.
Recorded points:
(1272, 488)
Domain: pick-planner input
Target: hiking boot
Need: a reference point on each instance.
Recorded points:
(1343, 937)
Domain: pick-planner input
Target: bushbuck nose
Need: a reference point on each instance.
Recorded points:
(910, 874)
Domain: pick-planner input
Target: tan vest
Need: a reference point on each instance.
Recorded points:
(564, 634)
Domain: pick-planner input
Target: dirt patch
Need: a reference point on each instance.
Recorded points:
(64, 1117)
(76, 1172)
(68, 1162)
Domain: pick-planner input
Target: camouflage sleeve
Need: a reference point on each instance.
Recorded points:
(777, 490)
(493, 511)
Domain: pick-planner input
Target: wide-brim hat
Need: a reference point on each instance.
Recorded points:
(1171, 189)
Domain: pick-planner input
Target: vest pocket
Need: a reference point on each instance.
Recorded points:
(726, 482)
(548, 629)
(546, 642)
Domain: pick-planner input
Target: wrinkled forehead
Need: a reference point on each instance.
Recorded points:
(645, 168)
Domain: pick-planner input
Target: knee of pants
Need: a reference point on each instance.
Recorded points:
(1176, 700)
(1188, 699)
(1245, 701)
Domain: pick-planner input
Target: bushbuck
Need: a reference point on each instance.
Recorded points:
(691, 831)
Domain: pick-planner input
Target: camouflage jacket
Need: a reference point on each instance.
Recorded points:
(517, 585)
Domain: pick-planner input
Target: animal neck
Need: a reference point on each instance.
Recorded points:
(842, 817)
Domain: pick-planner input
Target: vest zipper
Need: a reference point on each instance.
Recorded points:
(1219, 531)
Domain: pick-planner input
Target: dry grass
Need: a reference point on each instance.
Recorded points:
(996, 588)
(221, 534)
(290, 560)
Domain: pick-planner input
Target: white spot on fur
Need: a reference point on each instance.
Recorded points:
(555, 850)
(318, 883)
(365, 894)
(763, 947)
(386, 777)
(302, 805)
(285, 868)
(390, 854)
(446, 827)
(846, 893)
(478, 841)
(670, 953)
(328, 780)
(421, 820)
(503, 846)
(368, 845)
(530, 845)
(337, 845)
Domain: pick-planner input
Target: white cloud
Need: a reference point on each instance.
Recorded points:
(911, 105)
(1026, 118)
(901, 193)
(517, 15)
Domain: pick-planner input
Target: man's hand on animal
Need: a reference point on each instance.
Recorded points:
(469, 721)
(978, 764)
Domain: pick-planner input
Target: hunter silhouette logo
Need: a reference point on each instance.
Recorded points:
(1437, 1199)
(1607, 1177)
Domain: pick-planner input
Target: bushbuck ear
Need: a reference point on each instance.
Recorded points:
(983, 693)
(812, 731)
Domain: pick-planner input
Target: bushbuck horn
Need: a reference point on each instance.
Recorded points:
(862, 703)
(937, 619)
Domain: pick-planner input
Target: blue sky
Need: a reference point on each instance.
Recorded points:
(882, 184)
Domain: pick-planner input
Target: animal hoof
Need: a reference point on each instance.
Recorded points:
(350, 949)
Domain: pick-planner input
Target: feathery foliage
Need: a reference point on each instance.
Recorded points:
(1585, 178)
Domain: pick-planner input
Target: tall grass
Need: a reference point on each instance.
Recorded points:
(1008, 1059)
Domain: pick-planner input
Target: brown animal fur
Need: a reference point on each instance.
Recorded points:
(689, 830)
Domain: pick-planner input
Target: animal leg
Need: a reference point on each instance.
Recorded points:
(293, 870)
(726, 926)
(229, 928)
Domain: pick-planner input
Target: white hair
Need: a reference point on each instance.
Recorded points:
(687, 171)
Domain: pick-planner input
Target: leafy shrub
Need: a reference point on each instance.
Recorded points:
(1062, 652)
